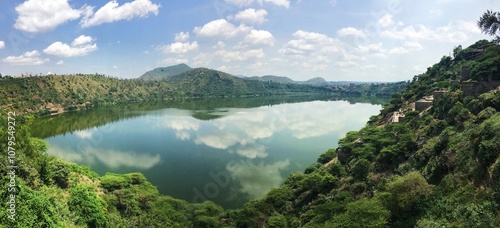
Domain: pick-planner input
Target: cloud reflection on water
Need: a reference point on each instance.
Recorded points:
(257, 179)
(111, 158)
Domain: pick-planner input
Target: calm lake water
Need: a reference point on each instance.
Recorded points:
(228, 151)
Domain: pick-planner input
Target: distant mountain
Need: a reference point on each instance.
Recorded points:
(272, 78)
(315, 81)
(203, 81)
(287, 80)
(200, 82)
(165, 72)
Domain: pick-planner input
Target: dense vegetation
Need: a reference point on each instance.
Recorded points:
(435, 168)
(438, 168)
(60, 93)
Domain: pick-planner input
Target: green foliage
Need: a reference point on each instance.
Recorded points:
(327, 156)
(489, 24)
(87, 207)
(362, 213)
(409, 190)
(277, 221)
(360, 169)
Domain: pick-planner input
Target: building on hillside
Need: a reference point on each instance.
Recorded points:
(439, 93)
(424, 103)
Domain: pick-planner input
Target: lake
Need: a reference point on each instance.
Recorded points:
(229, 151)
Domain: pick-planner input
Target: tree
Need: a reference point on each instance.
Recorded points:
(362, 213)
(489, 23)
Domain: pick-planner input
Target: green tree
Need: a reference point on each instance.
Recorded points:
(360, 169)
(87, 206)
(489, 23)
(362, 213)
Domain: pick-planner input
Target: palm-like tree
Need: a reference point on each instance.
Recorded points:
(489, 23)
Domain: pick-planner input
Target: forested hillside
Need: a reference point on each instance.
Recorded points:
(44, 95)
(436, 168)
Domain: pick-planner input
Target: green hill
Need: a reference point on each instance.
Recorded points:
(58, 93)
(315, 81)
(161, 73)
(439, 167)
(203, 82)
(434, 168)
(272, 78)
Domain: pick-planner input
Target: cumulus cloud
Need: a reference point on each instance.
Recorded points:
(386, 20)
(449, 33)
(81, 40)
(2, 44)
(408, 46)
(240, 55)
(259, 37)
(251, 16)
(112, 12)
(220, 28)
(370, 48)
(79, 47)
(257, 179)
(42, 16)
(181, 37)
(179, 47)
(242, 3)
(28, 58)
(60, 62)
(350, 31)
(309, 42)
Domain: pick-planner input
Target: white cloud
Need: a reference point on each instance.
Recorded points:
(252, 16)
(112, 11)
(257, 179)
(83, 134)
(377, 48)
(81, 40)
(2, 44)
(467, 26)
(179, 47)
(350, 31)
(308, 42)
(453, 32)
(240, 55)
(60, 62)
(242, 3)
(28, 58)
(284, 3)
(220, 28)
(79, 47)
(253, 151)
(42, 16)
(219, 45)
(181, 37)
(408, 46)
(386, 20)
(259, 37)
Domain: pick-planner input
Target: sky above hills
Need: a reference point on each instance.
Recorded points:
(377, 40)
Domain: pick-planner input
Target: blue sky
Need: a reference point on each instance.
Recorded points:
(377, 40)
